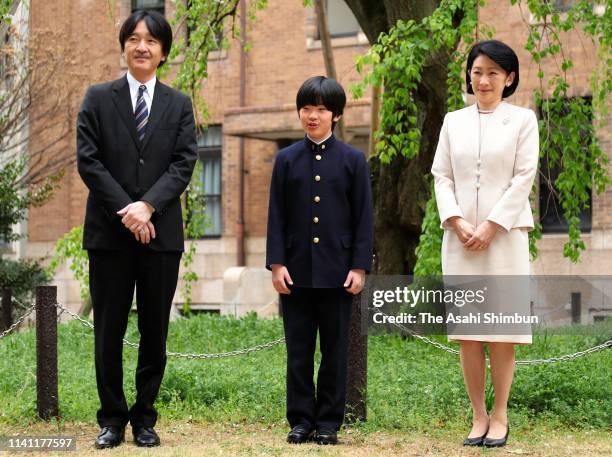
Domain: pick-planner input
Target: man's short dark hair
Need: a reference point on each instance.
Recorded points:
(502, 55)
(158, 26)
(320, 90)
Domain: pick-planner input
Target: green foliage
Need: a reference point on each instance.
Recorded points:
(411, 386)
(22, 277)
(15, 200)
(399, 58)
(209, 24)
(429, 250)
(5, 9)
(567, 130)
(194, 222)
(69, 248)
(397, 61)
(206, 20)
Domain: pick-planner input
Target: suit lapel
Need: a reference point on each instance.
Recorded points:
(158, 107)
(123, 103)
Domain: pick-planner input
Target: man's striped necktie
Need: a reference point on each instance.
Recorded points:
(141, 113)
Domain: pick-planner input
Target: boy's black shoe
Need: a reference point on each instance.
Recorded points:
(324, 436)
(145, 437)
(110, 436)
(300, 434)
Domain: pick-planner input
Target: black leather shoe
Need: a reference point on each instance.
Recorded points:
(145, 437)
(475, 441)
(110, 436)
(496, 442)
(324, 437)
(300, 434)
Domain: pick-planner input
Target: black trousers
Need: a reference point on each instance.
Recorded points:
(113, 275)
(306, 311)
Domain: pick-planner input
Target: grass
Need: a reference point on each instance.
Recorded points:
(197, 439)
(411, 386)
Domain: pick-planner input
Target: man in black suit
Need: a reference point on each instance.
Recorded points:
(136, 150)
(319, 247)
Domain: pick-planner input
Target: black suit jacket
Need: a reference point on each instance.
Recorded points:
(320, 252)
(118, 169)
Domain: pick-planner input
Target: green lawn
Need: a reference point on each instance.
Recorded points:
(411, 385)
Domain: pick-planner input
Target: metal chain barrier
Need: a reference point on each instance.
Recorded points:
(270, 344)
(18, 321)
(562, 358)
(217, 355)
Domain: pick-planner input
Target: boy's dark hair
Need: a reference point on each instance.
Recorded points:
(158, 27)
(502, 55)
(320, 90)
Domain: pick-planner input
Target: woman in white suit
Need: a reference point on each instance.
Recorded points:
(484, 168)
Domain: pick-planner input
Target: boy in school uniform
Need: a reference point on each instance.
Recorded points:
(319, 247)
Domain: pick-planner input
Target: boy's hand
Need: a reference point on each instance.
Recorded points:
(355, 279)
(280, 278)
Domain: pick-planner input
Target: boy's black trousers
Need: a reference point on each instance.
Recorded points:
(305, 311)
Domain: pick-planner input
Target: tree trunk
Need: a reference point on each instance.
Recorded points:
(402, 188)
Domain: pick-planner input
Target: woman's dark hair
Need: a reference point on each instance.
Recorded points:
(502, 55)
(158, 28)
(320, 90)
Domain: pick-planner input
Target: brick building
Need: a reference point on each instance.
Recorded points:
(285, 49)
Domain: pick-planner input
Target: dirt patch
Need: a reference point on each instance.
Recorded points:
(184, 439)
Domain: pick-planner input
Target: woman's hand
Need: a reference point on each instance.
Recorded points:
(463, 229)
(482, 237)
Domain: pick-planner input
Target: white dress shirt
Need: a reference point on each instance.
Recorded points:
(148, 94)
(320, 141)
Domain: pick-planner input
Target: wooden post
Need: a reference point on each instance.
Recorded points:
(7, 309)
(46, 352)
(357, 375)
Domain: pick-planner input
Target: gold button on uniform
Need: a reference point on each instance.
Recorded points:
(315, 240)
(322, 146)
(315, 220)
(317, 199)
(318, 157)
(317, 178)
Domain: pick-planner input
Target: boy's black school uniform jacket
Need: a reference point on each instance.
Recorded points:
(320, 213)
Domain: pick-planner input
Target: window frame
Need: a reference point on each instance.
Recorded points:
(215, 151)
(547, 199)
(337, 35)
(159, 9)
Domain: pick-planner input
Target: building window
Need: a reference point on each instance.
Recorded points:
(551, 212)
(340, 19)
(149, 5)
(560, 6)
(209, 155)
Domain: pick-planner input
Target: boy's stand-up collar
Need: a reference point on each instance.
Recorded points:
(314, 147)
